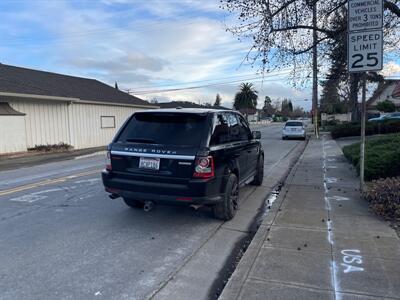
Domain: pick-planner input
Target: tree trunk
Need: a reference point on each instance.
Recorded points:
(355, 108)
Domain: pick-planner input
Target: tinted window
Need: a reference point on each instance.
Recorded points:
(298, 124)
(164, 128)
(234, 128)
(245, 132)
(221, 130)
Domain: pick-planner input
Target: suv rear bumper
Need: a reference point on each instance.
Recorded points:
(195, 192)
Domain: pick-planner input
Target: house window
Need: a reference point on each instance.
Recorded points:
(107, 121)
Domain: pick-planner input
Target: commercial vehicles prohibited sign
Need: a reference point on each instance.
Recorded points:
(365, 14)
(365, 51)
(365, 38)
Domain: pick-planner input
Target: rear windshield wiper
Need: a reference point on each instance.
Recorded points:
(145, 141)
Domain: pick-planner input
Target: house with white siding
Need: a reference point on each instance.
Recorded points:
(41, 108)
(387, 90)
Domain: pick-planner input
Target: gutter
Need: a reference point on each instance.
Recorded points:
(74, 100)
(43, 97)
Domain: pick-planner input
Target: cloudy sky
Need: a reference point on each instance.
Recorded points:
(153, 48)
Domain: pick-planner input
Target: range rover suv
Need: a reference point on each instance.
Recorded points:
(190, 156)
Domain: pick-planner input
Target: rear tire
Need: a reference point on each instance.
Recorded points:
(283, 138)
(133, 203)
(258, 179)
(226, 209)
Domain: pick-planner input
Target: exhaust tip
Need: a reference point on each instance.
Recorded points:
(148, 206)
(114, 196)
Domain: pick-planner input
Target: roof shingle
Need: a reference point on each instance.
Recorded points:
(28, 81)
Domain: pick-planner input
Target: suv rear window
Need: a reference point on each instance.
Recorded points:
(292, 124)
(164, 128)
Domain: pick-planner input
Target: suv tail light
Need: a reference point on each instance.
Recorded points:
(204, 167)
(108, 161)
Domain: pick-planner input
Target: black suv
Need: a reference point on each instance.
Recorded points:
(190, 156)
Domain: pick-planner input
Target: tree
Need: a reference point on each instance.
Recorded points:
(286, 108)
(331, 101)
(217, 100)
(268, 109)
(290, 106)
(246, 97)
(267, 101)
(154, 100)
(281, 32)
(281, 29)
(386, 106)
(116, 86)
(298, 112)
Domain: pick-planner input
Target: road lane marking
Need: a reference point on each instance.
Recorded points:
(46, 182)
(33, 197)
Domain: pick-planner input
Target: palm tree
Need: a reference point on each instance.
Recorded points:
(217, 100)
(246, 97)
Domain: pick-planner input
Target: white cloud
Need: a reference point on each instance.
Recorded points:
(391, 69)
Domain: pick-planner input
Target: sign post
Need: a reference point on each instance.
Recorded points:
(364, 52)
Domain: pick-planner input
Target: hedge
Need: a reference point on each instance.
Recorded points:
(354, 129)
(382, 156)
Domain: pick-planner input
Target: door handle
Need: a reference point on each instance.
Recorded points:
(248, 151)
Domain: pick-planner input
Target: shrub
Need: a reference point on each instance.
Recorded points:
(55, 147)
(382, 156)
(386, 106)
(332, 122)
(384, 197)
(354, 129)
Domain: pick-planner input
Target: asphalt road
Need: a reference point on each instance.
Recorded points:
(61, 237)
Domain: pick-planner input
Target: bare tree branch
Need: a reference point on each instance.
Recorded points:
(392, 7)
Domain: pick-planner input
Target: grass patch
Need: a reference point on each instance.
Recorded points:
(382, 156)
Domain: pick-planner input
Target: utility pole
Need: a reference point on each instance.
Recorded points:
(315, 70)
(363, 117)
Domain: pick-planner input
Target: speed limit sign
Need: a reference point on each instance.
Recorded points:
(365, 51)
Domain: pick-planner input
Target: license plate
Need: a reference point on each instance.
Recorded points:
(149, 163)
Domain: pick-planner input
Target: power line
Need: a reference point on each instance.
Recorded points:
(242, 77)
(257, 79)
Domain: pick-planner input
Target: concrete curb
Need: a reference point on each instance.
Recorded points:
(8, 162)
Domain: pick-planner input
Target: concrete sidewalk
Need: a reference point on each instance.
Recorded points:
(319, 240)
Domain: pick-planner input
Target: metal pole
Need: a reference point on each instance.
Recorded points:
(362, 145)
(315, 70)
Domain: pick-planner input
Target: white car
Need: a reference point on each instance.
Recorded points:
(294, 129)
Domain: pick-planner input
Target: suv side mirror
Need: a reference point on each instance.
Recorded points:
(256, 135)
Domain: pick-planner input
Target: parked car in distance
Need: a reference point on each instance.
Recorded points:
(198, 157)
(390, 116)
(294, 129)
